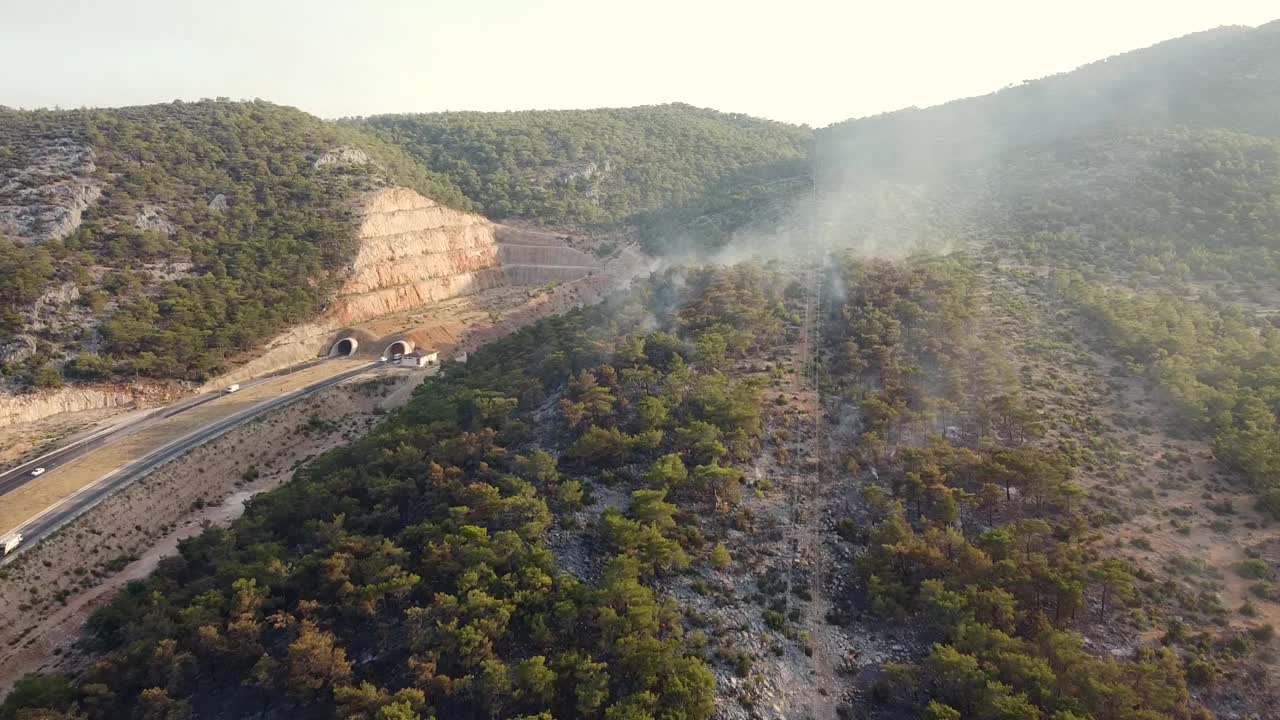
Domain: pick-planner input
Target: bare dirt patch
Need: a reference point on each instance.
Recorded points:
(1170, 508)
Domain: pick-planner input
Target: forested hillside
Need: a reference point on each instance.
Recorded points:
(1007, 517)
(1217, 364)
(1160, 161)
(597, 518)
(1152, 205)
(594, 166)
(1031, 475)
(970, 529)
(214, 222)
(410, 574)
(1206, 187)
(204, 228)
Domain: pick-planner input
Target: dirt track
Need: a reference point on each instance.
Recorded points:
(812, 696)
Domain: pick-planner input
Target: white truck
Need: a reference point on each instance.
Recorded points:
(11, 542)
(232, 388)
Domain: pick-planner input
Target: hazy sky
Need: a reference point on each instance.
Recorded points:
(798, 60)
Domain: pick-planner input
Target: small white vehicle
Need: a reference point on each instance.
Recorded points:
(232, 388)
(382, 359)
(11, 543)
(37, 472)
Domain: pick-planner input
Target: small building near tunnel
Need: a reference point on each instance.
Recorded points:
(420, 359)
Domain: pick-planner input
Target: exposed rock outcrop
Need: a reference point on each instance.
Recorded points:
(585, 169)
(343, 155)
(151, 218)
(218, 203)
(413, 252)
(52, 307)
(45, 198)
(17, 348)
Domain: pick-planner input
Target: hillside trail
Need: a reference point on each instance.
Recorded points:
(816, 696)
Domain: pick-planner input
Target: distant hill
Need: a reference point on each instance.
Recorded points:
(1227, 79)
(1179, 202)
(164, 240)
(1163, 159)
(591, 166)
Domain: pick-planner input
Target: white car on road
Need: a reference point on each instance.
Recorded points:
(37, 472)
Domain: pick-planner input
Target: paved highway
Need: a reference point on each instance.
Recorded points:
(15, 478)
(45, 524)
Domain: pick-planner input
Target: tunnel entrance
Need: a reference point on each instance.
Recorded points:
(399, 347)
(345, 347)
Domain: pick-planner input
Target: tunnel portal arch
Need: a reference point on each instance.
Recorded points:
(399, 347)
(345, 347)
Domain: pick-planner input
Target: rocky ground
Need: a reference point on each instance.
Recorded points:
(1159, 498)
(763, 619)
(43, 198)
(771, 618)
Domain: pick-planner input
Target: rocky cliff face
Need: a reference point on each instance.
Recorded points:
(413, 252)
(35, 406)
(44, 197)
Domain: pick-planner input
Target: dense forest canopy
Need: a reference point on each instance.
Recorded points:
(1175, 204)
